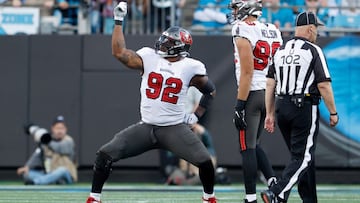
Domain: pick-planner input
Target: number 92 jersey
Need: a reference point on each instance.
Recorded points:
(265, 39)
(164, 87)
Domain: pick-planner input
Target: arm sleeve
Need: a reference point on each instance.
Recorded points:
(197, 95)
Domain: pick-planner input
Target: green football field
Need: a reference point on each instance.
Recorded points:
(152, 193)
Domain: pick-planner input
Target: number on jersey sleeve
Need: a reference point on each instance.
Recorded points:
(172, 87)
(262, 52)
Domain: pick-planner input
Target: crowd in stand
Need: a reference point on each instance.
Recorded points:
(332, 13)
(208, 14)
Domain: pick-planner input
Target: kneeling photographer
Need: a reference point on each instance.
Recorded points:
(53, 160)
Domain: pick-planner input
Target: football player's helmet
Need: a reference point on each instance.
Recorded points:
(241, 9)
(173, 42)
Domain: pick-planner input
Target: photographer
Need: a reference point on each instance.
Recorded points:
(53, 160)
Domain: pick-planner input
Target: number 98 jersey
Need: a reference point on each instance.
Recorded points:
(265, 39)
(164, 87)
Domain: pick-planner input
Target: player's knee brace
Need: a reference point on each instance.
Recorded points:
(103, 162)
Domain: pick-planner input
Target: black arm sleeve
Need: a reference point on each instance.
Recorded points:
(208, 91)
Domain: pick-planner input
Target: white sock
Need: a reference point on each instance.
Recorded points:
(251, 197)
(96, 196)
(207, 196)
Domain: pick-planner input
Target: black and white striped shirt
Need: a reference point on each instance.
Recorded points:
(298, 66)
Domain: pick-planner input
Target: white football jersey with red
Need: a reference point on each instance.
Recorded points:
(164, 87)
(265, 39)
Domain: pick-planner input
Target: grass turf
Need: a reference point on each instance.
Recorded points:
(149, 193)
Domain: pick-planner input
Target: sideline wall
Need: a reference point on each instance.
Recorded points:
(76, 76)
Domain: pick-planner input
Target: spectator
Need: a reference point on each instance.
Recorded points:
(333, 12)
(350, 7)
(45, 5)
(273, 13)
(347, 16)
(52, 163)
(211, 14)
(100, 12)
(17, 3)
(95, 15)
(296, 5)
(157, 14)
(180, 5)
(107, 22)
(67, 11)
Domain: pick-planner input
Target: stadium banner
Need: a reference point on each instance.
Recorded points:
(340, 146)
(15, 21)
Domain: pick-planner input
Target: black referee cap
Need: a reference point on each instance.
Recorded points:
(307, 18)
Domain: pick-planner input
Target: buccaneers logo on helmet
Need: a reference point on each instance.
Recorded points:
(186, 37)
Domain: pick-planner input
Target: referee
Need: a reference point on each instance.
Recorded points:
(299, 77)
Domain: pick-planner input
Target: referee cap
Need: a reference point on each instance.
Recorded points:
(307, 18)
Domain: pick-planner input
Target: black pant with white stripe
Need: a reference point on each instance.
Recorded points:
(299, 127)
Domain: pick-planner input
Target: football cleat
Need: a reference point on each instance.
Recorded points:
(92, 200)
(272, 181)
(268, 196)
(210, 200)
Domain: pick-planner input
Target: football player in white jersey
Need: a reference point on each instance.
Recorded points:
(167, 72)
(255, 43)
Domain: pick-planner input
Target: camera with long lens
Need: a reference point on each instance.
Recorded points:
(40, 135)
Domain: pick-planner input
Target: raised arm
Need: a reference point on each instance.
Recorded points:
(127, 56)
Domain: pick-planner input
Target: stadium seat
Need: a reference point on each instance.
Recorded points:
(210, 16)
(345, 21)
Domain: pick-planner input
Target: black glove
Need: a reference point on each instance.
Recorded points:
(239, 115)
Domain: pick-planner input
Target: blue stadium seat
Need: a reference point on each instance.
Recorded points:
(214, 21)
(345, 21)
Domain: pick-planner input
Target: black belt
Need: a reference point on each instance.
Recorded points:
(299, 99)
(296, 95)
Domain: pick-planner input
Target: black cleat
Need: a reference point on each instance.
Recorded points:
(268, 196)
(273, 181)
(29, 182)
